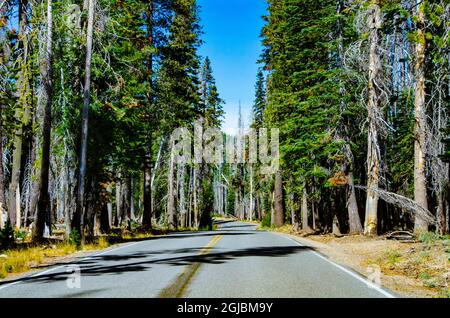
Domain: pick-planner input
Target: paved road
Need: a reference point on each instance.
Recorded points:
(235, 261)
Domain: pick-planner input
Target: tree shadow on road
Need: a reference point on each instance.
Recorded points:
(143, 261)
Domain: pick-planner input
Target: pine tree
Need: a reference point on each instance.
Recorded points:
(178, 83)
(260, 102)
(210, 107)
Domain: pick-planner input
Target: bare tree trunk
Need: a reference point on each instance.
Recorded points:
(279, 202)
(335, 227)
(149, 181)
(373, 109)
(132, 202)
(171, 212)
(119, 205)
(352, 207)
(241, 191)
(181, 174)
(126, 200)
(147, 214)
(46, 73)
(34, 196)
(305, 223)
(109, 208)
(272, 209)
(196, 207)
(252, 207)
(294, 219)
(79, 219)
(420, 187)
(260, 205)
(67, 197)
(191, 196)
(2, 176)
(315, 214)
(441, 226)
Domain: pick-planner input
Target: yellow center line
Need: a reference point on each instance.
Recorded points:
(178, 287)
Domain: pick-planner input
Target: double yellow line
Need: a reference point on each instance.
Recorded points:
(210, 246)
(179, 286)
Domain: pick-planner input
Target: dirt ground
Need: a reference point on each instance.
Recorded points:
(420, 269)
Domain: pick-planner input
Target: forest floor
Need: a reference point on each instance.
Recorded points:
(414, 269)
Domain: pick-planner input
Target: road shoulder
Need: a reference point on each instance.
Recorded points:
(404, 267)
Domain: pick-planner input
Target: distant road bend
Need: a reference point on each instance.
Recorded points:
(235, 261)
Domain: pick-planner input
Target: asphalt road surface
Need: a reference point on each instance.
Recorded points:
(235, 261)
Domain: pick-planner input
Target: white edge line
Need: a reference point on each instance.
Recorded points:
(351, 273)
(68, 264)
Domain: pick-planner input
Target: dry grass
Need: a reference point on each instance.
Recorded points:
(20, 260)
(287, 229)
(428, 263)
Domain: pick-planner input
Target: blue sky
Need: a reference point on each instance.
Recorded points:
(231, 35)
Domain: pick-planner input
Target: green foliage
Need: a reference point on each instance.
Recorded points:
(206, 207)
(7, 238)
(231, 200)
(210, 106)
(431, 237)
(22, 235)
(304, 89)
(266, 221)
(259, 105)
(75, 239)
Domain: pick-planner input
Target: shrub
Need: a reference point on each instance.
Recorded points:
(75, 239)
(266, 220)
(429, 237)
(7, 237)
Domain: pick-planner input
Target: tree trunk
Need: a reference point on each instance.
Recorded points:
(147, 214)
(171, 212)
(182, 196)
(252, 206)
(420, 187)
(36, 150)
(294, 219)
(441, 226)
(67, 197)
(43, 202)
(195, 198)
(132, 202)
(2, 176)
(126, 200)
(305, 223)
(261, 213)
(335, 227)
(79, 219)
(119, 205)
(373, 109)
(109, 208)
(272, 209)
(23, 116)
(352, 207)
(279, 202)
